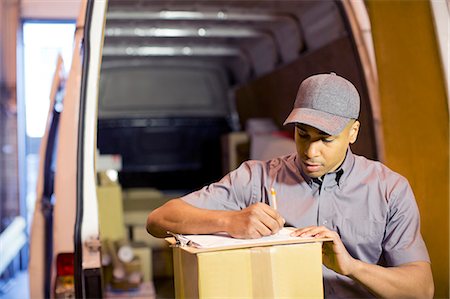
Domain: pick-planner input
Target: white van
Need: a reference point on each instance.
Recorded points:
(163, 85)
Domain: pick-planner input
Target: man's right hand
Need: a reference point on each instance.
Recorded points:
(180, 217)
(254, 222)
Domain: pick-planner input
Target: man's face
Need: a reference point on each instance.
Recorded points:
(321, 153)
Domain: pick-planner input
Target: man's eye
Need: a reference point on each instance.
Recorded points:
(327, 140)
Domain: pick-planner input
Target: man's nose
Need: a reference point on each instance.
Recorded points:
(312, 149)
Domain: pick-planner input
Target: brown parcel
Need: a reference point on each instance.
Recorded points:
(277, 271)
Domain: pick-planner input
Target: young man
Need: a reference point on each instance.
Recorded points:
(326, 191)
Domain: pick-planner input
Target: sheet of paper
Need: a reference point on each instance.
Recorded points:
(224, 240)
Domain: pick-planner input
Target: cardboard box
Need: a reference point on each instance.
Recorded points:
(137, 204)
(140, 234)
(144, 253)
(110, 212)
(235, 150)
(279, 271)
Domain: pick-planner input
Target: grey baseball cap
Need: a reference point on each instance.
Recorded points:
(326, 102)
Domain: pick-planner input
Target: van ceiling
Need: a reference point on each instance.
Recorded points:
(247, 39)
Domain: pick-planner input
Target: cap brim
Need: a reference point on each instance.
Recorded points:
(326, 122)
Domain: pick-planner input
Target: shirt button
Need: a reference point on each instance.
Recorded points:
(324, 222)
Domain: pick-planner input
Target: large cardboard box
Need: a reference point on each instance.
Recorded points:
(279, 271)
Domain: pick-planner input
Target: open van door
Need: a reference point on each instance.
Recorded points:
(87, 268)
(67, 254)
(41, 240)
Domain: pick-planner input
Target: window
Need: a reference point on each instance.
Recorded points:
(42, 42)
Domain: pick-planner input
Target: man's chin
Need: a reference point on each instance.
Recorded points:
(313, 174)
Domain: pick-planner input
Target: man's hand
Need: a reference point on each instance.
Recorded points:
(253, 222)
(335, 255)
(180, 217)
(412, 280)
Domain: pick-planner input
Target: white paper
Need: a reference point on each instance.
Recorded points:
(224, 240)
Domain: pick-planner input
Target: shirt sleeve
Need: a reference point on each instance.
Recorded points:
(403, 242)
(232, 192)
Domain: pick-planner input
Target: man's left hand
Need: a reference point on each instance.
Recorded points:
(335, 255)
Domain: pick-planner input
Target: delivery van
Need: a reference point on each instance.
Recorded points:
(159, 101)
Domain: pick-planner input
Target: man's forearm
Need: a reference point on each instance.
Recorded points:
(412, 280)
(177, 216)
(180, 217)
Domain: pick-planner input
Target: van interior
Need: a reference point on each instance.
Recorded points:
(178, 75)
(181, 81)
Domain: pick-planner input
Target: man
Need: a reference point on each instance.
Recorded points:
(326, 191)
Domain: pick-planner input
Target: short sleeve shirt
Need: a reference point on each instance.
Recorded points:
(371, 207)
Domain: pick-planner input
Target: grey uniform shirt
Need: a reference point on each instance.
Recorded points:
(372, 208)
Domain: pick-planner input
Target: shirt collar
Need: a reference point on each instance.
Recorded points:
(339, 174)
(346, 167)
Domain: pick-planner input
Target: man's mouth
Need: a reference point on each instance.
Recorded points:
(311, 166)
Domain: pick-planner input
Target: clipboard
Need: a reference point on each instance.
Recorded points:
(218, 242)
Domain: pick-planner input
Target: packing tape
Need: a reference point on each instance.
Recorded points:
(261, 263)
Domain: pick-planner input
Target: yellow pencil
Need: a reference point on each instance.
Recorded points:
(273, 195)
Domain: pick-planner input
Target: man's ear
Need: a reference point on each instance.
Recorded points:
(354, 130)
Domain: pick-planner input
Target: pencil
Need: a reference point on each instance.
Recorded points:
(273, 195)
